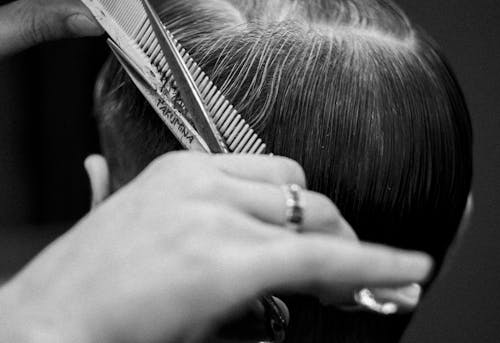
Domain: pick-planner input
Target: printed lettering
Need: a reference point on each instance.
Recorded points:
(174, 120)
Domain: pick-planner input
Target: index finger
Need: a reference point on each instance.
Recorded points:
(321, 264)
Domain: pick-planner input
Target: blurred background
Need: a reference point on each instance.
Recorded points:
(47, 129)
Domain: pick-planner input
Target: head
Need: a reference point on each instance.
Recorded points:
(350, 89)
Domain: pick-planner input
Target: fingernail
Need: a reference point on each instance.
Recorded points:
(413, 291)
(81, 25)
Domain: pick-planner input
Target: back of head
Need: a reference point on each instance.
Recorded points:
(349, 89)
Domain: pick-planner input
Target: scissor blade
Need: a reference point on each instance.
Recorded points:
(176, 122)
(187, 86)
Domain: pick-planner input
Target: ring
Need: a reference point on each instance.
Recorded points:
(366, 300)
(294, 216)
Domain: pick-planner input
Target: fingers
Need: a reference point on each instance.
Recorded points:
(14, 29)
(81, 25)
(263, 198)
(267, 202)
(328, 266)
(268, 169)
(406, 298)
(257, 168)
(24, 23)
(254, 187)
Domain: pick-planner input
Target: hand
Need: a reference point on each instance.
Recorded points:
(24, 23)
(189, 242)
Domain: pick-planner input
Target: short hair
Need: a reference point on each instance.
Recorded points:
(350, 89)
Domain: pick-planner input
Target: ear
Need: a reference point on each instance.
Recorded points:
(98, 173)
(466, 217)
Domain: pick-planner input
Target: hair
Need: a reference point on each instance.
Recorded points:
(361, 98)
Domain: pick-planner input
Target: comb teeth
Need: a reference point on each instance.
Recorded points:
(127, 14)
(239, 136)
(131, 17)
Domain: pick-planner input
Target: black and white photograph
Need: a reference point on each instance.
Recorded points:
(249, 171)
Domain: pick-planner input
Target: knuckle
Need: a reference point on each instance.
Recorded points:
(207, 185)
(41, 22)
(294, 172)
(33, 29)
(285, 170)
(327, 214)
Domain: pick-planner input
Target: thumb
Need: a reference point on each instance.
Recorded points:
(81, 25)
(25, 23)
(54, 19)
(80, 22)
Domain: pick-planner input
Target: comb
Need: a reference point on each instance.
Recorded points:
(166, 110)
(192, 99)
(126, 22)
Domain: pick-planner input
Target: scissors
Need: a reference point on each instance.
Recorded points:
(191, 115)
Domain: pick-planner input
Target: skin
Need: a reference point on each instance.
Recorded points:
(179, 237)
(25, 23)
(158, 260)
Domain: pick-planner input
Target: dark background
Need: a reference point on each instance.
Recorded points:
(46, 130)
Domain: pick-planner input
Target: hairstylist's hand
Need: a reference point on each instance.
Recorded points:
(24, 23)
(186, 244)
